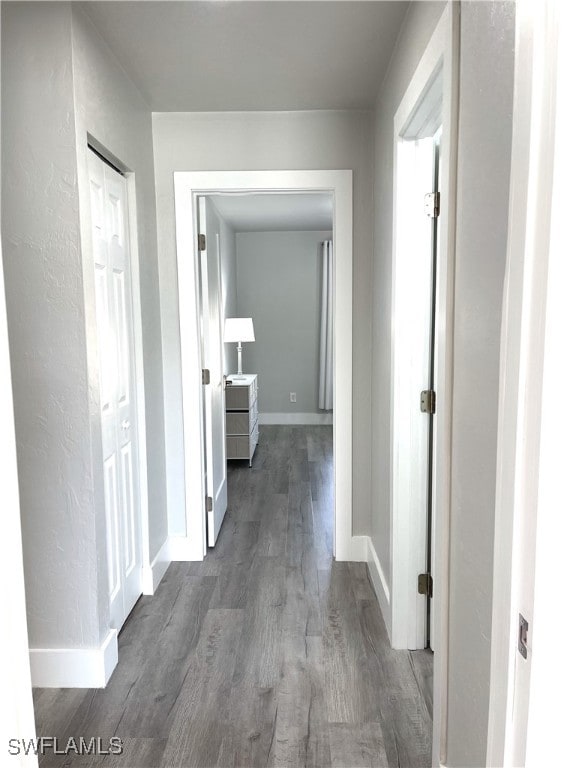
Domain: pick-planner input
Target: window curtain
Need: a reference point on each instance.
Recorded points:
(326, 394)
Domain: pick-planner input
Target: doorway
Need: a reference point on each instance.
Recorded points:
(424, 136)
(188, 187)
(265, 269)
(111, 258)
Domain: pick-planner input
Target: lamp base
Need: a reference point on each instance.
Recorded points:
(239, 350)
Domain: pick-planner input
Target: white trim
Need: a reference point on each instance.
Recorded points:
(442, 53)
(153, 574)
(75, 667)
(189, 184)
(379, 583)
(295, 418)
(357, 549)
(139, 373)
(181, 549)
(534, 529)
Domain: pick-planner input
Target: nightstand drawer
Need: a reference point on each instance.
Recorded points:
(240, 397)
(242, 446)
(242, 422)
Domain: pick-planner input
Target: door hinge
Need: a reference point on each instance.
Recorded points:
(428, 401)
(209, 504)
(201, 242)
(205, 376)
(432, 204)
(425, 584)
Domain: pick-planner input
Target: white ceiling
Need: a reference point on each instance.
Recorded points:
(212, 56)
(276, 212)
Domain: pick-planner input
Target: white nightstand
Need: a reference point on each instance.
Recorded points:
(241, 416)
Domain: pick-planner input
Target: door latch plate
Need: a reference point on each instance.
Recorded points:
(523, 636)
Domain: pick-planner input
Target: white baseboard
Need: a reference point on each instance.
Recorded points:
(287, 419)
(352, 549)
(74, 667)
(182, 549)
(153, 574)
(380, 585)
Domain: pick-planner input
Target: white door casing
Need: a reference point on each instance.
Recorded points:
(531, 697)
(114, 316)
(189, 185)
(213, 360)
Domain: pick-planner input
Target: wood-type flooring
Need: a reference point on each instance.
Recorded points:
(268, 653)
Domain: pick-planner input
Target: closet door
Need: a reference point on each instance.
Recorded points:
(111, 257)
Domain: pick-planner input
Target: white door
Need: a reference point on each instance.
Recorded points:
(213, 361)
(414, 295)
(111, 254)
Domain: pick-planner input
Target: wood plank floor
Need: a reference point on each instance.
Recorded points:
(266, 654)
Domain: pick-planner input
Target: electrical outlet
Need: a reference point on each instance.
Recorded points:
(292, 397)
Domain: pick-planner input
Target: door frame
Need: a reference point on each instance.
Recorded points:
(534, 527)
(188, 186)
(441, 56)
(149, 583)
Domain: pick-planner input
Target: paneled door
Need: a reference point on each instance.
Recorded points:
(111, 258)
(213, 361)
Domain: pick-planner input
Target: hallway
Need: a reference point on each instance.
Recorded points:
(268, 653)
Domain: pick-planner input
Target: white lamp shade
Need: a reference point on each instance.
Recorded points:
(239, 329)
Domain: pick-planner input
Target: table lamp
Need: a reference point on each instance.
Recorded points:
(239, 329)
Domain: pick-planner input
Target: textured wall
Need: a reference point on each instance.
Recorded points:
(59, 83)
(279, 285)
(266, 140)
(43, 269)
(18, 715)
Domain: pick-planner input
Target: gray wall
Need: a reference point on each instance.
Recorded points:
(486, 91)
(109, 108)
(229, 287)
(487, 63)
(279, 285)
(59, 82)
(419, 24)
(484, 145)
(267, 140)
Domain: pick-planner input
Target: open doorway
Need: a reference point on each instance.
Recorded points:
(266, 269)
(189, 187)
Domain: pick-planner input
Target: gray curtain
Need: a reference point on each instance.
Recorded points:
(326, 394)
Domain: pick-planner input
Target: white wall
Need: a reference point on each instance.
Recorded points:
(59, 82)
(264, 141)
(280, 286)
(484, 152)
